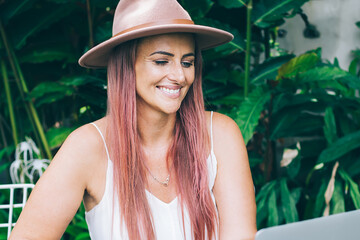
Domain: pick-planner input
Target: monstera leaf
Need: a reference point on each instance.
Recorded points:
(250, 110)
(270, 13)
(232, 3)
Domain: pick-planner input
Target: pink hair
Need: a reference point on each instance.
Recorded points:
(189, 151)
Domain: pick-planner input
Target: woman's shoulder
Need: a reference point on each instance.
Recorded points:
(85, 142)
(221, 123)
(226, 134)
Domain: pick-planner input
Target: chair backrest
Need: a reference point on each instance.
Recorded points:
(10, 205)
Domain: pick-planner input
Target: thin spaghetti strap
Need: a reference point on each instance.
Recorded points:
(211, 132)
(102, 136)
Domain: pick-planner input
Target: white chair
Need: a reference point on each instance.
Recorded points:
(11, 205)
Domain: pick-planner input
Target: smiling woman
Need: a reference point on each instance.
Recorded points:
(157, 166)
(165, 71)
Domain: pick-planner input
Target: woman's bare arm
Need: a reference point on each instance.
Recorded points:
(59, 192)
(233, 189)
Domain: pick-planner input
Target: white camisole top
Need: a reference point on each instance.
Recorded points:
(167, 216)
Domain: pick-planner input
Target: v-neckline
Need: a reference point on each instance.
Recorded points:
(161, 201)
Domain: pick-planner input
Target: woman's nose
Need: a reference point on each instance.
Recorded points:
(176, 73)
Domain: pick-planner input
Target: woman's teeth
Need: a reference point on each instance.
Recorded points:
(169, 90)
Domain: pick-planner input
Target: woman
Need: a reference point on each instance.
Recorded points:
(157, 166)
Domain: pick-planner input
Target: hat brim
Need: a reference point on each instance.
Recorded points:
(206, 37)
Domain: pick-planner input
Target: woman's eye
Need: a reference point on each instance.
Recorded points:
(160, 62)
(187, 64)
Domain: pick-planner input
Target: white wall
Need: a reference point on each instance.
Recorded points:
(335, 20)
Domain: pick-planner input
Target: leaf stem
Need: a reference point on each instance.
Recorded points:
(9, 101)
(90, 24)
(31, 110)
(248, 49)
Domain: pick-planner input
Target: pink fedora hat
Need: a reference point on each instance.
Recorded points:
(140, 18)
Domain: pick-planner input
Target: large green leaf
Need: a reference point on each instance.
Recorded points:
(266, 13)
(330, 126)
(273, 217)
(329, 73)
(78, 80)
(298, 64)
(36, 20)
(48, 53)
(238, 43)
(340, 147)
(295, 124)
(354, 188)
(288, 204)
(250, 110)
(56, 136)
(50, 87)
(337, 200)
(232, 3)
(269, 69)
(198, 8)
(13, 7)
(320, 199)
(262, 201)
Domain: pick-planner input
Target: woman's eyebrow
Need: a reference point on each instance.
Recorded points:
(170, 54)
(163, 53)
(189, 55)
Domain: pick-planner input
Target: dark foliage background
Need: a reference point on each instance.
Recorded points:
(299, 115)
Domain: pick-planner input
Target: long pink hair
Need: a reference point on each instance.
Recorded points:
(188, 151)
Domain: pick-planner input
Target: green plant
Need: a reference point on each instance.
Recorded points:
(285, 105)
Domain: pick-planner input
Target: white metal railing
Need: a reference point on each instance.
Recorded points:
(11, 205)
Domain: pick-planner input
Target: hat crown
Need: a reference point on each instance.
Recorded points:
(132, 13)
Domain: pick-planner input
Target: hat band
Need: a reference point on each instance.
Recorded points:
(157, 23)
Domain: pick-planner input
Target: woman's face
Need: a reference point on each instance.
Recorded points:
(164, 70)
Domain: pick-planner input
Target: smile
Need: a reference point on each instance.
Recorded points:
(167, 90)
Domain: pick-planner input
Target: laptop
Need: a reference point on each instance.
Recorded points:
(342, 226)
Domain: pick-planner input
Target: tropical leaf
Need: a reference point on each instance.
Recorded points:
(288, 204)
(320, 200)
(219, 75)
(199, 8)
(269, 69)
(337, 200)
(354, 188)
(11, 8)
(340, 147)
(250, 110)
(56, 136)
(78, 80)
(298, 65)
(233, 3)
(103, 32)
(238, 43)
(83, 236)
(295, 124)
(273, 217)
(353, 66)
(358, 24)
(48, 53)
(330, 131)
(266, 13)
(50, 87)
(36, 20)
(328, 73)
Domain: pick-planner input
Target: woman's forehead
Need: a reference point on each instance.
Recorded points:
(181, 41)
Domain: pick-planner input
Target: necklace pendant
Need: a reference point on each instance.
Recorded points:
(166, 182)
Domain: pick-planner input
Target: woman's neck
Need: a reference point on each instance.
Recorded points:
(155, 129)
